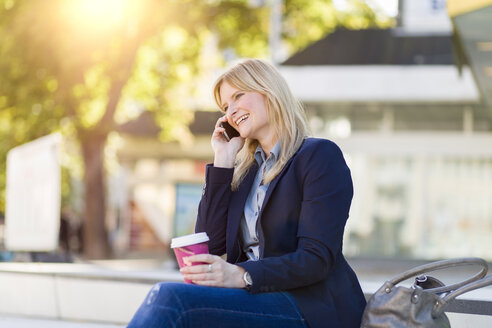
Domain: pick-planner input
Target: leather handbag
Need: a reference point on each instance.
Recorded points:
(423, 303)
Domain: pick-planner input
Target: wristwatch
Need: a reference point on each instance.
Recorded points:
(247, 280)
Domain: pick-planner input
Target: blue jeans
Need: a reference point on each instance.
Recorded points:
(185, 305)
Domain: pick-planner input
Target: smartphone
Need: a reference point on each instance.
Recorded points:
(229, 132)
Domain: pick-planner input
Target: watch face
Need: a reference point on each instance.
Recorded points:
(247, 279)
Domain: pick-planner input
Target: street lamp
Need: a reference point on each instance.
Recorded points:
(275, 31)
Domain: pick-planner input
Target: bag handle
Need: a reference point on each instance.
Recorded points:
(440, 304)
(442, 265)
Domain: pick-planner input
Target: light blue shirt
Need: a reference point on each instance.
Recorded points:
(249, 230)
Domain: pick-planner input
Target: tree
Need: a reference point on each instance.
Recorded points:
(78, 65)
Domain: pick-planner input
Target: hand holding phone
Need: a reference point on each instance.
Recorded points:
(225, 152)
(229, 132)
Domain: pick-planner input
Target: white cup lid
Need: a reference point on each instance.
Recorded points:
(194, 238)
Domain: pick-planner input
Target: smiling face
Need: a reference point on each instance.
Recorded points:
(246, 112)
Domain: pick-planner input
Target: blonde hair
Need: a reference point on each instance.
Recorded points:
(285, 113)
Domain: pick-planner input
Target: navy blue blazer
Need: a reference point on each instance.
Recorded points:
(300, 231)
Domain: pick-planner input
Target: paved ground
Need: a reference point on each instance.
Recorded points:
(24, 322)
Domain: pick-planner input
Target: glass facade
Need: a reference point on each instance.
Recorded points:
(420, 207)
(422, 177)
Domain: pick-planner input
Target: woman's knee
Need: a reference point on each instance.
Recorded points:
(165, 294)
(161, 307)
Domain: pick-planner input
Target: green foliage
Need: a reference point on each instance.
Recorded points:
(81, 67)
(306, 21)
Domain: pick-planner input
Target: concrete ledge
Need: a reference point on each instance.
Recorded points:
(8, 321)
(28, 295)
(75, 291)
(92, 293)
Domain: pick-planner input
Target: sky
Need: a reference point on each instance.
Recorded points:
(390, 7)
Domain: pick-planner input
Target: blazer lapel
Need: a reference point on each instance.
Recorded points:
(236, 209)
(269, 192)
(274, 182)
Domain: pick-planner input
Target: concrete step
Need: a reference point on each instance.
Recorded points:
(30, 322)
(85, 292)
(107, 293)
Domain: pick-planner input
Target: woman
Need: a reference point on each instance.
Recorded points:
(276, 202)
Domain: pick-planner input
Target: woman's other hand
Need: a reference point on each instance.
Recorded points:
(225, 152)
(216, 272)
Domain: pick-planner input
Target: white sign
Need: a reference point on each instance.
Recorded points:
(32, 216)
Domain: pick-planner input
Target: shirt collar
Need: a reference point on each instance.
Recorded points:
(260, 154)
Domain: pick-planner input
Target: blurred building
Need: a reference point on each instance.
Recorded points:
(415, 130)
(156, 191)
(406, 111)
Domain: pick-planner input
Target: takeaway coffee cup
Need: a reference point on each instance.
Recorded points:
(188, 245)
